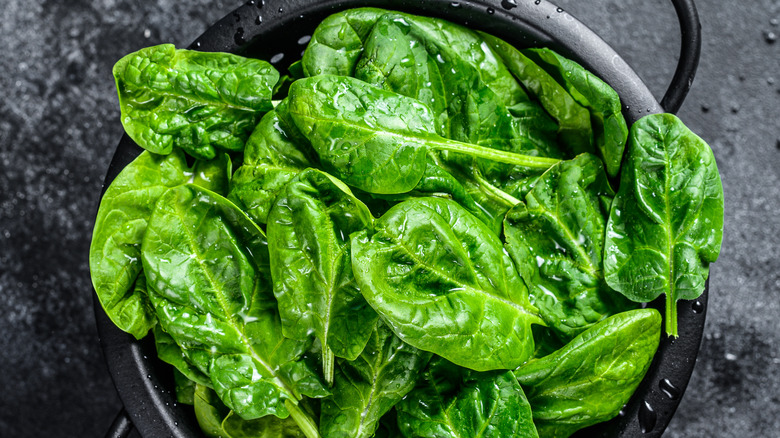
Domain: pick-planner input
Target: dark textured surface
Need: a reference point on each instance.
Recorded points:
(59, 124)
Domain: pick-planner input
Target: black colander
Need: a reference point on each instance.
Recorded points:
(277, 31)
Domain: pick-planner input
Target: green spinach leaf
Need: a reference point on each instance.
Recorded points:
(590, 379)
(196, 101)
(367, 388)
(218, 421)
(666, 223)
(556, 240)
(374, 139)
(271, 159)
(308, 241)
(450, 401)
(208, 277)
(609, 125)
(443, 282)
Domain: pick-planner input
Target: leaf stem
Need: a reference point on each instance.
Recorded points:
(307, 425)
(497, 155)
(510, 200)
(328, 363)
(671, 316)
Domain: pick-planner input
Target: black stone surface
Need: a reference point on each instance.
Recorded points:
(59, 123)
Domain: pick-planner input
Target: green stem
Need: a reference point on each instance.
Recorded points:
(496, 155)
(671, 316)
(307, 425)
(328, 363)
(510, 200)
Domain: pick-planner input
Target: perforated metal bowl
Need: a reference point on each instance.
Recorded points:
(278, 30)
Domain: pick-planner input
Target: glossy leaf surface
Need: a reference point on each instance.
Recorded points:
(207, 266)
(367, 388)
(196, 101)
(590, 379)
(218, 421)
(271, 159)
(308, 238)
(556, 240)
(450, 401)
(115, 251)
(666, 223)
(443, 282)
(603, 103)
(374, 139)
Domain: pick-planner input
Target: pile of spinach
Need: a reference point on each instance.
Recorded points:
(420, 239)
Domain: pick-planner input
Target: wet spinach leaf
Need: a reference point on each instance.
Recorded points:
(450, 401)
(115, 251)
(590, 379)
(666, 223)
(434, 273)
(208, 277)
(218, 421)
(271, 159)
(556, 240)
(374, 139)
(367, 388)
(199, 102)
(308, 241)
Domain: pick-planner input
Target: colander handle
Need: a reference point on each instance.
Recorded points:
(690, 51)
(121, 426)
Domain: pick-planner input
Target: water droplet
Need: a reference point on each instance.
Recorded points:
(281, 10)
(647, 417)
(239, 36)
(774, 21)
(149, 376)
(536, 2)
(250, 2)
(705, 109)
(276, 58)
(304, 40)
(455, 5)
(559, 10)
(770, 80)
(491, 11)
(697, 307)
(770, 37)
(668, 389)
(259, 19)
(734, 108)
(197, 44)
(508, 4)
(260, 4)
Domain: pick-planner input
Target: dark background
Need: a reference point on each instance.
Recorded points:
(59, 125)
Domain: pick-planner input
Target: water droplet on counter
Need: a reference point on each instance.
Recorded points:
(239, 36)
(770, 37)
(281, 10)
(260, 4)
(647, 417)
(697, 307)
(559, 10)
(508, 4)
(669, 389)
(491, 11)
(276, 58)
(536, 2)
(705, 109)
(455, 5)
(259, 19)
(774, 21)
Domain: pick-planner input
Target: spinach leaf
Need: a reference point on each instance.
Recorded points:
(271, 159)
(443, 283)
(213, 174)
(556, 240)
(125, 209)
(450, 401)
(218, 421)
(184, 388)
(666, 223)
(374, 139)
(208, 277)
(169, 351)
(609, 126)
(367, 388)
(574, 127)
(308, 241)
(590, 379)
(115, 251)
(192, 100)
